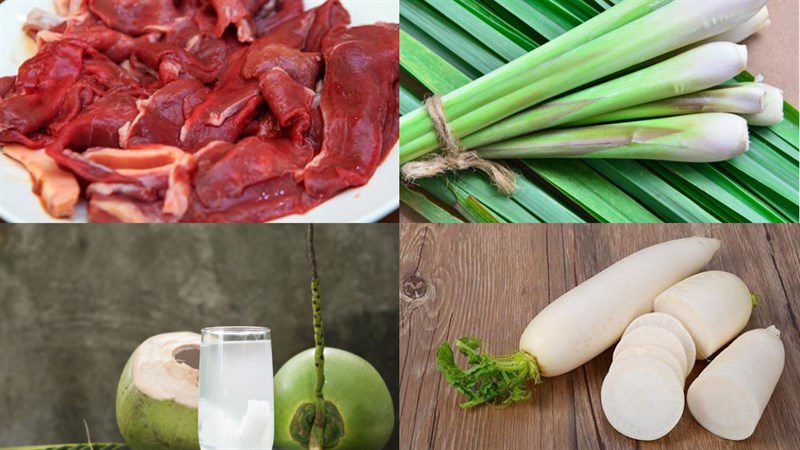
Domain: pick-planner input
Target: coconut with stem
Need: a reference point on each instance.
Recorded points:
(326, 398)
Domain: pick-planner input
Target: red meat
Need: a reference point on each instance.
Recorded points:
(362, 72)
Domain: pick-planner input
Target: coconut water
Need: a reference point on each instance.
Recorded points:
(236, 396)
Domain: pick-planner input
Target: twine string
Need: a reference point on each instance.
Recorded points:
(454, 157)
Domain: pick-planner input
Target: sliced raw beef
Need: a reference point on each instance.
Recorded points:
(240, 13)
(264, 125)
(134, 17)
(289, 101)
(161, 117)
(39, 90)
(6, 85)
(359, 97)
(98, 125)
(225, 170)
(226, 111)
(57, 189)
(328, 16)
(305, 31)
(199, 110)
(115, 45)
(303, 67)
(172, 62)
(282, 11)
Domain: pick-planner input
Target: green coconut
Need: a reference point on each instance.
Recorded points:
(358, 405)
(158, 394)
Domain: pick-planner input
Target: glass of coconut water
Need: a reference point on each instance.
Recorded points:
(236, 393)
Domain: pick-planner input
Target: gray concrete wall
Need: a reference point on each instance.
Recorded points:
(75, 301)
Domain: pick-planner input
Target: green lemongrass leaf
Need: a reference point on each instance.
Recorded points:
(452, 58)
(408, 101)
(694, 70)
(425, 207)
(769, 175)
(669, 28)
(501, 205)
(476, 26)
(455, 197)
(550, 25)
(668, 203)
(543, 206)
(604, 201)
(480, 10)
(515, 75)
(707, 137)
(488, 380)
(444, 31)
(474, 210)
(730, 99)
(435, 73)
(789, 151)
(717, 193)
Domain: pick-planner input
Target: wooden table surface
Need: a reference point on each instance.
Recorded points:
(490, 280)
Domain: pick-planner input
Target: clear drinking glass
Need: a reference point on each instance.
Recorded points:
(236, 394)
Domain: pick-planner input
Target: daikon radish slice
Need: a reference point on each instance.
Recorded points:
(714, 307)
(656, 337)
(641, 398)
(590, 318)
(729, 397)
(672, 324)
(651, 351)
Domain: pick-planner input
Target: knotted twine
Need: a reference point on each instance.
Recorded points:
(454, 157)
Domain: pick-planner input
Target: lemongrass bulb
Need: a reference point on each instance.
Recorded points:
(709, 137)
(700, 68)
(773, 109)
(744, 30)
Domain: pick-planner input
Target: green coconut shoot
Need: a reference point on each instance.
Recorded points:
(694, 70)
(746, 98)
(326, 398)
(671, 27)
(316, 438)
(708, 137)
(514, 75)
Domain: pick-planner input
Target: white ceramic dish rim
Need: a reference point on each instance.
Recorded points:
(368, 203)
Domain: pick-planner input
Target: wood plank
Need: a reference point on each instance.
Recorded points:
(490, 280)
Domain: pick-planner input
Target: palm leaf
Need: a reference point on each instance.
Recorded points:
(759, 187)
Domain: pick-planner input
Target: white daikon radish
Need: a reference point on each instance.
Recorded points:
(729, 397)
(672, 324)
(714, 307)
(577, 326)
(590, 318)
(641, 398)
(651, 351)
(655, 337)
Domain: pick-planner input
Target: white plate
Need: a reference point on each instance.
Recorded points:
(368, 203)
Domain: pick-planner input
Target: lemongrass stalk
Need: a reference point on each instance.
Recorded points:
(735, 99)
(673, 26)
(692, 138)
(512, 76)
(773, 109)
(745, 30)
(694, 70)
